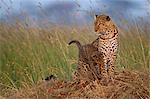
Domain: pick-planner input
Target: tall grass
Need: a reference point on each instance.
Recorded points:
(134, 51)
(28, 55)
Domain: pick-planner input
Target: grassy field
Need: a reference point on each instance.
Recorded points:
(28, 55)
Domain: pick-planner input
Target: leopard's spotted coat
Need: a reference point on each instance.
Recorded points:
(108, 44)
(90, 62)
(105, 46)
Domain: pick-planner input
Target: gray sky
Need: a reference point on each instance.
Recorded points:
(70, 11)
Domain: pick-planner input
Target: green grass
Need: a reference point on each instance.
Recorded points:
(134, 51)
(29, 55)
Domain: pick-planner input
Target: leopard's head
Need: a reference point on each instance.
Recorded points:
(104, 26)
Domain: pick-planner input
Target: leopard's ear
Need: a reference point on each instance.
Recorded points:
(95, 17)
(107, 18)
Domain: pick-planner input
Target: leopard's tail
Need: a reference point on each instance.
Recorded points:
(77, 43)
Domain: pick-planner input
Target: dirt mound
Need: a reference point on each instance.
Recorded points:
(126, 84)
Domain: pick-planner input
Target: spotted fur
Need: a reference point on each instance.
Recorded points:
(108, 44)
(90, 61)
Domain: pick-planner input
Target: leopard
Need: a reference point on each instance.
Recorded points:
(107, 32)
(90, 62)
(106, 44)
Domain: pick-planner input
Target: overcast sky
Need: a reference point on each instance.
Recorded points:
(68, 10)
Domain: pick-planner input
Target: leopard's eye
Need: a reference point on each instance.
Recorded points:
(98, 23)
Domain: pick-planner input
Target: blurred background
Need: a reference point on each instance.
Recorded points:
(69, 12)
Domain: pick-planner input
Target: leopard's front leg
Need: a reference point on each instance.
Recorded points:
(111, 67)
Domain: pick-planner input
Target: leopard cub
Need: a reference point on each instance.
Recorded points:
(90, 62)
